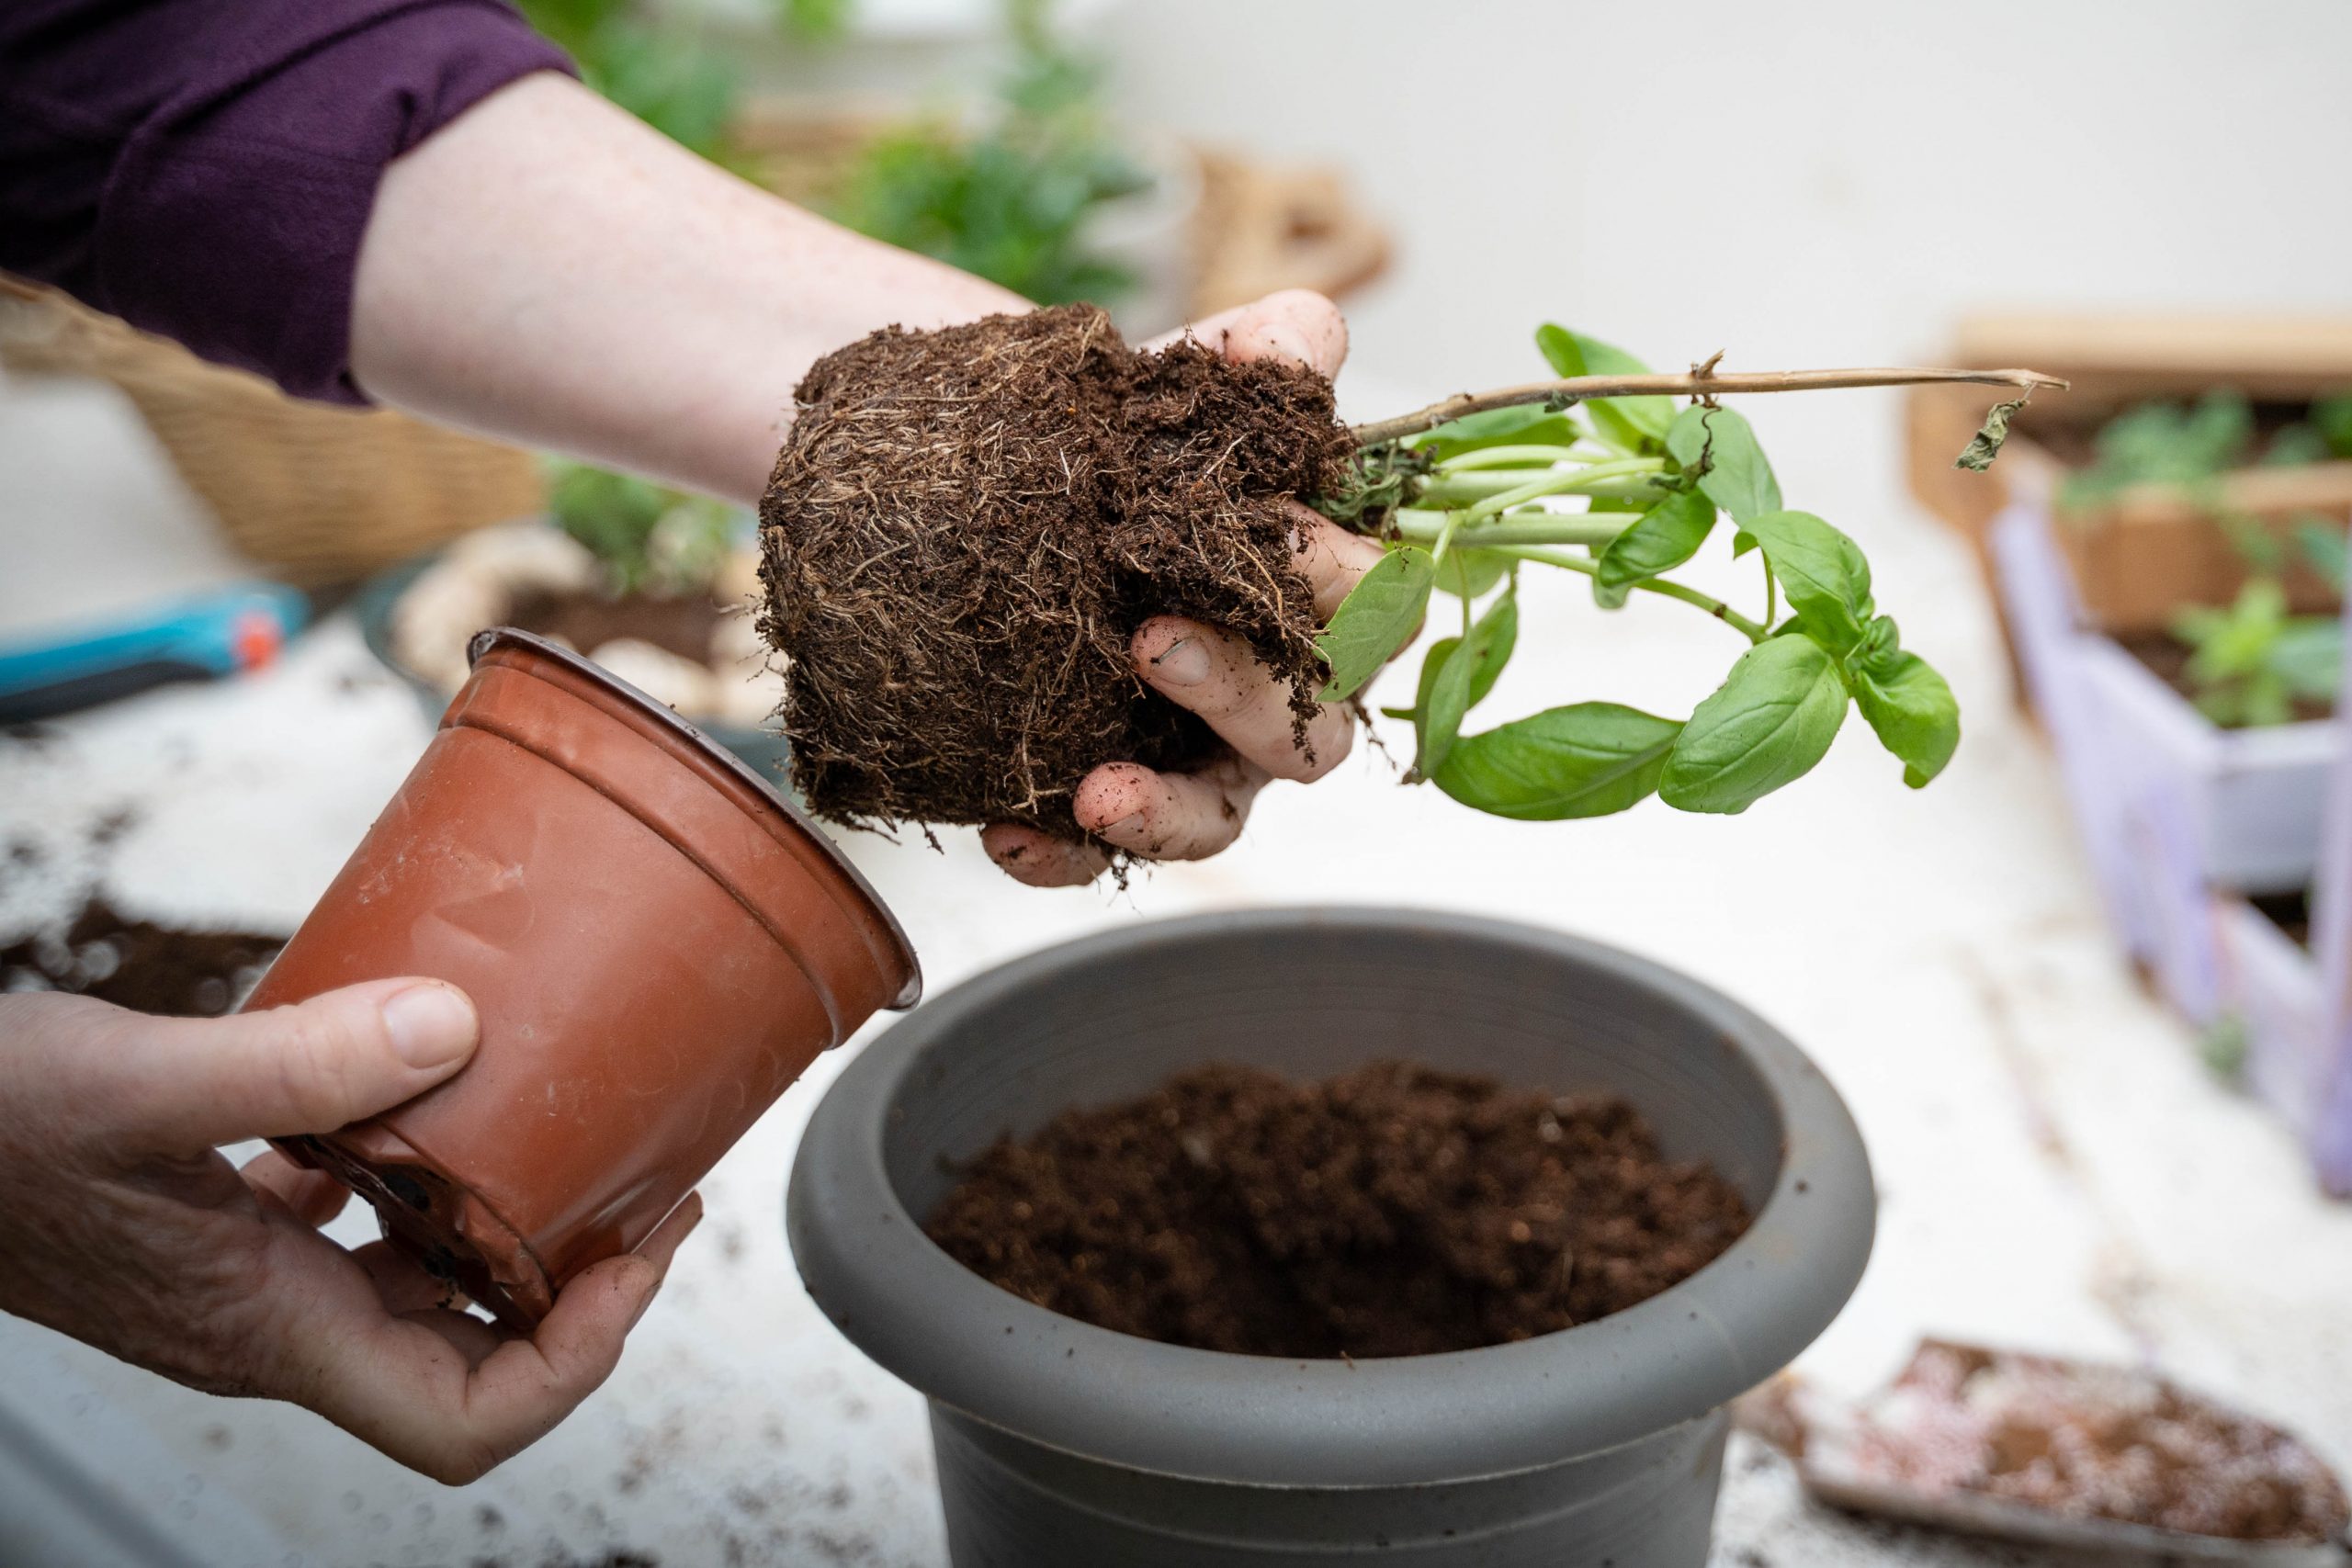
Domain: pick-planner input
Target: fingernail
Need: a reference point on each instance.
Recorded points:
(1185, 664)
(1112, 830)
(1280, 338)
(430, 1025)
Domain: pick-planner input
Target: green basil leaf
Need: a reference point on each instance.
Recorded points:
(1630, 422)
(1431, 662)
(1822, 573)
(1469, 674)
(1911, 709)
(1586, 760)
(2309, 657)
(1522, 424)
(1467, 574)
(1738, 475)
(1377, 618)
(1770, 722)
(1658, 540)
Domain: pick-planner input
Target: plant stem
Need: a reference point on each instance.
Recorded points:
(1461, 489)
(1714, 607)
(1561, 481)
(1511, 456)
(1577, 389)
(1771, 591)
(1531, 527)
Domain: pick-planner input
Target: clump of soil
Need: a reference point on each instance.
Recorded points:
(2097, 1442)
(1392, 1210)
(140, 965)
(681, 624)
(966, 526)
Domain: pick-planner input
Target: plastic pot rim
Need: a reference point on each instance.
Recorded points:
(1205, 1414)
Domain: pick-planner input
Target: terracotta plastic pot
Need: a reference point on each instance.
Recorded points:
(1061, 1445)
(657, 942)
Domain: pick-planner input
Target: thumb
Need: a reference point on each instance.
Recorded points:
(188, 1083)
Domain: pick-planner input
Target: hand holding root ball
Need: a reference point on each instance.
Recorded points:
(125, 1229)
(1192, 815)
(993, 551)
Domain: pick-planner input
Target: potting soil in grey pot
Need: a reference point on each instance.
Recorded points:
(1062, 1445)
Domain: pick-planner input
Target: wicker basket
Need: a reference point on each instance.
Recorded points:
(313, 493)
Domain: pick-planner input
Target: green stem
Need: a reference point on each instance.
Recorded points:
(1529, 527)
(1561, 483)
(1464, 489)
(1514, 457)
(1445, 532)
(1714, 607)
(1772, 592)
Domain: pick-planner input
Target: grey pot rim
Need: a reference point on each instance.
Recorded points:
(975, 1347)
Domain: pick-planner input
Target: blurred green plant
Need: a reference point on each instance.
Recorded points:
(2164, 444)
(2251, 662)
(2223, 1046)
(2192, 447)
(651, 539)
(1009, 200)
(661, 70)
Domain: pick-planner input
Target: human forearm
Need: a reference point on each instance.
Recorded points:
(548, 270)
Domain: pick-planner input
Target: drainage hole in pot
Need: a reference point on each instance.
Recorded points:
(405, 1186)
(1392, 1210)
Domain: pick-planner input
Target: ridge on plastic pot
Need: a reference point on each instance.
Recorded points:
(1063, 1445)
(657, 942)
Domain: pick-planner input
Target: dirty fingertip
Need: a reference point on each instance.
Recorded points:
(1115, 803)
(1031, 858)
(1296, 325)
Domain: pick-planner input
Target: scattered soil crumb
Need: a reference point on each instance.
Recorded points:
(2100, 1442)
(140, 965)
(966, 526)
(1392, 1210)
(114, 825)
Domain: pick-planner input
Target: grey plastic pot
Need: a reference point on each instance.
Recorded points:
(1062, 1445)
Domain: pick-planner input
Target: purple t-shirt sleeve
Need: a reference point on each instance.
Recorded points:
(204, 168)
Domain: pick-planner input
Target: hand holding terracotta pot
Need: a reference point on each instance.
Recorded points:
(124, 1228)
(657, 942)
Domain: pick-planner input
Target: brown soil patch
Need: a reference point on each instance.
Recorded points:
(1393, 1211)
(140, 965)
(966, 526)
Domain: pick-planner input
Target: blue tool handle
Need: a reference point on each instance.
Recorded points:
(218, 633)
